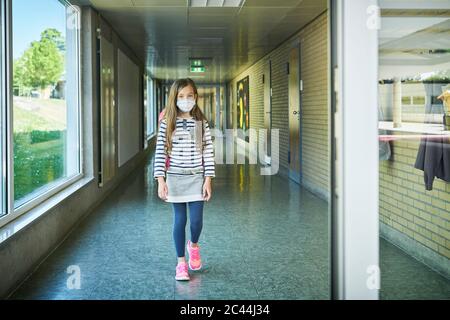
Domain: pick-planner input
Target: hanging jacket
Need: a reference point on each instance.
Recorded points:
(433, 157)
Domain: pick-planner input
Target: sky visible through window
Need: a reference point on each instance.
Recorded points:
(30, 18)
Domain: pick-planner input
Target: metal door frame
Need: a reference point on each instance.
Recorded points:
(354, 150)
(106, 173)
(268, 138)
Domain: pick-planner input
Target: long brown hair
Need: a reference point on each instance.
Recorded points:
(171, 112)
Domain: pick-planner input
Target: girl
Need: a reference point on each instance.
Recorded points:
(185, 156)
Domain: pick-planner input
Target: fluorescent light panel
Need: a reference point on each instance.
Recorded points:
(215, 3)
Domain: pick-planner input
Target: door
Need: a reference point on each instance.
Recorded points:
(268, 107)
(294, 113)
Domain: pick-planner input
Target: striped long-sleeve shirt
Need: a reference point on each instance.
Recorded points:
(184, 150)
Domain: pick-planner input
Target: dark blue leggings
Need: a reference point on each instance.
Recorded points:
(180, 219)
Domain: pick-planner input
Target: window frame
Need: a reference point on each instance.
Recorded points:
(354, 229)
(3, 112)
(151, 107)
(12, 213)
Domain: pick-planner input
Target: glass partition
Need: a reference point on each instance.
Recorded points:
(414, 149)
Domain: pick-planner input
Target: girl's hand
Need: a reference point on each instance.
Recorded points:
(207, 189)
(163, 191)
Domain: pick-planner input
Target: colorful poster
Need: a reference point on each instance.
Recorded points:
(243, 107)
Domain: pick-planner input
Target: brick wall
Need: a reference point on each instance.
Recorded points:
(314, 61)
(407, 207)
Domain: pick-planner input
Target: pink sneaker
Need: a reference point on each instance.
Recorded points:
(195, 262)
(182, 271)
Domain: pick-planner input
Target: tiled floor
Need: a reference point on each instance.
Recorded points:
(263, 238)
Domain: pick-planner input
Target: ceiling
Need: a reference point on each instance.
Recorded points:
(414, 42)
(166, 33)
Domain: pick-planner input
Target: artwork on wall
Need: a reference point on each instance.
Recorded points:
(243, 106)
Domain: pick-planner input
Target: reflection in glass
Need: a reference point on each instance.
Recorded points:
(207, 103)
(414, 132)
(150, 106)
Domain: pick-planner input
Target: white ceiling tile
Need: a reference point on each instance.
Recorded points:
(160, 3)
(111, 3)
(198, 3)
(216, 3)
(232, 3)
(271, 3)
(211, 11)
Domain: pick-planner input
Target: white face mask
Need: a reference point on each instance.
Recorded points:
(185, 105)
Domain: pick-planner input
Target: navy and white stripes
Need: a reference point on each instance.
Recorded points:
(184, 151)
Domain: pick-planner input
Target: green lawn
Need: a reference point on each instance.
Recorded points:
(39, 140)
(39, 114)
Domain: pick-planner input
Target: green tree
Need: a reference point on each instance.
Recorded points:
(56, 37)
(19, 73)
(42, 64)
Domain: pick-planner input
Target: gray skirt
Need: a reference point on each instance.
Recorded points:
(184, 185)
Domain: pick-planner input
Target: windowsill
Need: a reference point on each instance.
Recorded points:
(21, 222)
(412, 127)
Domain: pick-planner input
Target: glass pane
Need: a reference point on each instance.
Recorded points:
(150, 106)
(2, 126)
(207, 103)
(414, 150)
(45, 96)
(145, 97)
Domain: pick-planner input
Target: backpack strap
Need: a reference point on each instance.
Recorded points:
(160, 118)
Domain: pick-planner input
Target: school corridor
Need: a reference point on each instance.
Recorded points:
(330, 123)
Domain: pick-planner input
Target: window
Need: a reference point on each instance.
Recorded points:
(3, 132)
(150, 107)
(145, 99)
(414, 63)
(45, 88)
(419, 100)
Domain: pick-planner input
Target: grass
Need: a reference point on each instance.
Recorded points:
(39, 143)
(39, 114)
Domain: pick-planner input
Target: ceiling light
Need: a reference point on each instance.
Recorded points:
(216, 3)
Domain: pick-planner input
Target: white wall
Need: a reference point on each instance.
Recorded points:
(128, 109)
